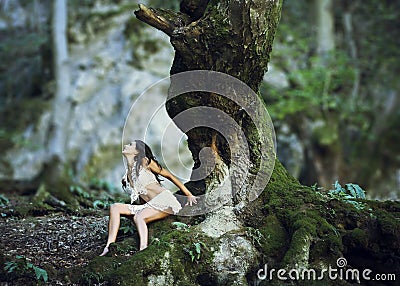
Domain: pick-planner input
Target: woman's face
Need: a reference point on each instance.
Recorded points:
(130, 149)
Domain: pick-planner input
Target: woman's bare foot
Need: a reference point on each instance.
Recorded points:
(142, 247)
(105, 251)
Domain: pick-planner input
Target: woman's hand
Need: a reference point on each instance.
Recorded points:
(191, 200)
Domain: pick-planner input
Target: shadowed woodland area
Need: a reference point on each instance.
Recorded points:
(331, 91)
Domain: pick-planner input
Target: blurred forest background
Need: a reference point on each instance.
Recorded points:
(331, 90)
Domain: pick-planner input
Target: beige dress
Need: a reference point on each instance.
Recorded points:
(164, 201)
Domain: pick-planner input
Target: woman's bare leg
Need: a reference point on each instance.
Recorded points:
(116, 210)
(142, 218)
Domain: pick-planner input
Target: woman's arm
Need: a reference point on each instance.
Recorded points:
(165, 173)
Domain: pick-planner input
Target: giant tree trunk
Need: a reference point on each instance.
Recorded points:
(235, 38)
(232, 37)
(288, 226)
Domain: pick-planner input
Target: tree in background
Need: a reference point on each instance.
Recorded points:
(61, 105)
(54, 180)
(344, 110)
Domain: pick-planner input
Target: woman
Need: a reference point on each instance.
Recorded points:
(141, 179)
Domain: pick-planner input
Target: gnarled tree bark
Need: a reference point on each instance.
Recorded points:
(235, 38)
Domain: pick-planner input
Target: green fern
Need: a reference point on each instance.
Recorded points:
(349, 193)
(3, 201)
(20, 266)
(180, 225)
(195, 249)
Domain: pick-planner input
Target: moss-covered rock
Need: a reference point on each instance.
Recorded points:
(171, 259)
(175, 257)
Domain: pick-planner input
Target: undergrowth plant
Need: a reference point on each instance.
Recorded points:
(102, 203)
(89, 277)
(255, 235)
(159, 241)
(194, 250)
(180, 225)
(21, 267)
(100, 184)
(3, 201)
(349, 193)
(127, 226)
(78, 190)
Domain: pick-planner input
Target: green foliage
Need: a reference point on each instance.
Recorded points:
(255, 235)
(89, 277)
(4, 201)
(180, 226)
(356, 191)
(21, 266)
(78, 190)
(349, 193)
(379, 34)
(82, 3)
(124, 248)
(16, 139)
(89, 199)
(196, 245)
(194, 250)
(127, 227)
(346, 97)
(318, 88)
(101, 204)
(316, 188)
(99, 184)
(192, 243)
(159, 241)
(40, 273)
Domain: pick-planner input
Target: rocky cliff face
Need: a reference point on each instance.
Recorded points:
(110, 67)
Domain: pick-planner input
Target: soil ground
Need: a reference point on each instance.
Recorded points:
(56, 241)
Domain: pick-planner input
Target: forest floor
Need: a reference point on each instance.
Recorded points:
(56, 241)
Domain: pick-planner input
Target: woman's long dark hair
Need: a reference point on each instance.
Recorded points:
(145, 152)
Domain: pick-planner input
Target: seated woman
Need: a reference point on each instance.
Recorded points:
(141, 179)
